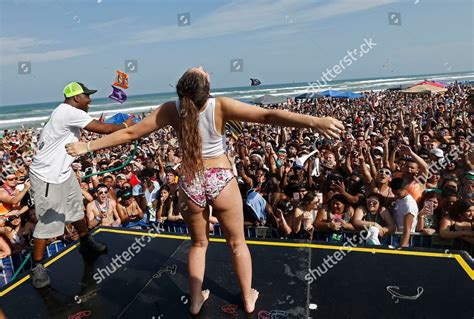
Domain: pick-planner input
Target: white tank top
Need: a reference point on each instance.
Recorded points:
(213, 143)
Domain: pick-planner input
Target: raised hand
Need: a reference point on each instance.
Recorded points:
(405, 149)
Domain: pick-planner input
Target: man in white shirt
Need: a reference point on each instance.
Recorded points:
(57, 194)
(405, 210)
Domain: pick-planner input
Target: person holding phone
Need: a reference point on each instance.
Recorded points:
(207, 177)
(428, 217)
(300, 221)
(335, 218)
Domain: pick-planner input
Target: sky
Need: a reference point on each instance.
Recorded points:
(276, 41)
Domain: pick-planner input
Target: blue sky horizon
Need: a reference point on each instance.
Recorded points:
(277, 41)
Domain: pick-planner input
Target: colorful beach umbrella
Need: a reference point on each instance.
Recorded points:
(433, 83)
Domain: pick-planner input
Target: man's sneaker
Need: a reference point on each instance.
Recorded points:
(90, 246)
(39, 277)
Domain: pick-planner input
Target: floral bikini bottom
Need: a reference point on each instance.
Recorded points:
(206, 187)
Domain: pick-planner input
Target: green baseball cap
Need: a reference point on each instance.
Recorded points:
(469, 175)
(76, 88)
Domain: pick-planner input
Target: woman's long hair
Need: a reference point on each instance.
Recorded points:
(308, 198)
(166, 204)
(193, 91)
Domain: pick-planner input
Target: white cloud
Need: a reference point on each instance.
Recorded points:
(17, 44)
(14, 49)
(112, 23)
(54, 55)
(247, 16)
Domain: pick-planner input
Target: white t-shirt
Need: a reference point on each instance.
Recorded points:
(402, 207)
(151, 196)
(52, 164)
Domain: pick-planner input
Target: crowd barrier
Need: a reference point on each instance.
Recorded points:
(10, 264)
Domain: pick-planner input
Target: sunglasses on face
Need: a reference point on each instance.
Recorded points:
(372, 201)
(103, 192)
(384, 172)
(12, 179)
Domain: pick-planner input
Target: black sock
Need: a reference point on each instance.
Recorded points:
(85, 238)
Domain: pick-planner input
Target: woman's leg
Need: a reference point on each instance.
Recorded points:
(229, 212)
(197, 220)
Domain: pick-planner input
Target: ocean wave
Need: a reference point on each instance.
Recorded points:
(145, 103)
(38, 119)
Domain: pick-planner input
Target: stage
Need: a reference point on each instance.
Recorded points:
(295, 280)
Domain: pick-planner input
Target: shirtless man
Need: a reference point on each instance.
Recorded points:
(128, 208)
(103, 210)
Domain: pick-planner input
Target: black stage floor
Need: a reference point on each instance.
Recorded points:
(153, 284)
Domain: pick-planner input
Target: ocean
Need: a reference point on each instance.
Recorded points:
(34, 115)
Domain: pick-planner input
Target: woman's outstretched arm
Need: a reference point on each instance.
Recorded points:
(157, 119)
(239, 111)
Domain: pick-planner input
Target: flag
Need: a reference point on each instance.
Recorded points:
(121, 80)
(118, 95)
(255, 82)
(102, 118)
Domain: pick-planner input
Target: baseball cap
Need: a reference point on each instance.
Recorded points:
(379, 148)
(121, 176)
(437, 152)
(469, 175)
(76, 88)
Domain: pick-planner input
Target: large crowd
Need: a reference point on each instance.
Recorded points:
(405, 163)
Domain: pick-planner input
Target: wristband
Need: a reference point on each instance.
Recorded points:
(126, 125)
(88, 147)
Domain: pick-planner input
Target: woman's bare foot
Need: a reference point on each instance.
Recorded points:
(250, 303)
(196, 305)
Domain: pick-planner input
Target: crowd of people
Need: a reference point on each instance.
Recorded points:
(405, 163)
